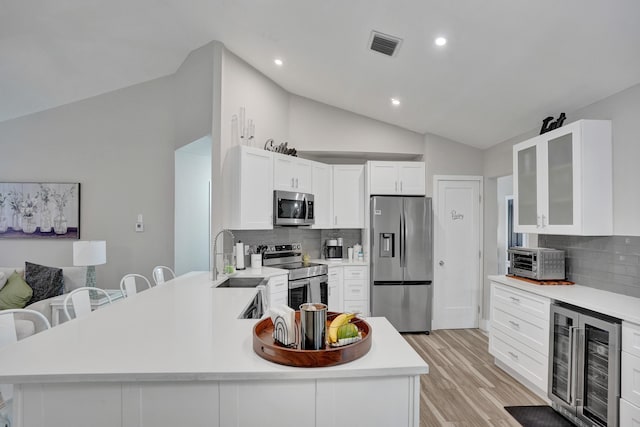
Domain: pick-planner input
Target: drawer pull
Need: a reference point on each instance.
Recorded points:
(515, 356)
(514, 324)
(515, 300)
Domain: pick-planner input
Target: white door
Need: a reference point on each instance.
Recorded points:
(457, 252)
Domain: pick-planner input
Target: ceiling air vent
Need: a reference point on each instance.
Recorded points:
(384, 43)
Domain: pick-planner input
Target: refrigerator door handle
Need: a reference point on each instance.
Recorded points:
(402, 239)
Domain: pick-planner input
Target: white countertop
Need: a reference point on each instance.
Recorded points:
(184, 330)
(616, 305)
(265, 272)
(339, 262)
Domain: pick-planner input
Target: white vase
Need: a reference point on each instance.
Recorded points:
(46, 224)
(29, 224)
(60, 224)
(16, 224)
(4, 224)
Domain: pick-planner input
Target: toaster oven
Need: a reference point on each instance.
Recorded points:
(537, 263)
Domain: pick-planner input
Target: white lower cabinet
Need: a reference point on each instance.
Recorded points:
(629, 414)
(519, 334)
(278, 290)
(356, 289)
(335, 286)
(630, 376)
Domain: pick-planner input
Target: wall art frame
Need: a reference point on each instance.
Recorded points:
(39, 210)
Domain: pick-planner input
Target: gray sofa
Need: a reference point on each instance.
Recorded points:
(74, 277)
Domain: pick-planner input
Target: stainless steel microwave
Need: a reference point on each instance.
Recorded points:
(291, 208)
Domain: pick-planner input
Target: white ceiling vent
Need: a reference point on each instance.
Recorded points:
(384, 43)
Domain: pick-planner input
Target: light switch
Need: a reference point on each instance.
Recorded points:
(139, 224)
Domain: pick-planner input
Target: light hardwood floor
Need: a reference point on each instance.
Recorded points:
(464, 387)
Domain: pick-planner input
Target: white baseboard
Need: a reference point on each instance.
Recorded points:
(485, 324)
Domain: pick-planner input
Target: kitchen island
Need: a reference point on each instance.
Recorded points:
(178, 355)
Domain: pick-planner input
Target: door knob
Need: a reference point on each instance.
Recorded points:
(441, 263)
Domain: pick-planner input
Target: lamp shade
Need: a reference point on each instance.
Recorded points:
(89, 252)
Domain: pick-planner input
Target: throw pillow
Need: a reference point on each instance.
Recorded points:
(3, 279)
(16, 293)
(46, 282)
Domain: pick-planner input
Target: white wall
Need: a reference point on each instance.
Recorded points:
(266, 103)
(193, 94)
(192, 222)
(119, 146)
(318, 127)
(446, 157)
(623, 109)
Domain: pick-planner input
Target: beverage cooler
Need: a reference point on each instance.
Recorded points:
(584, 366)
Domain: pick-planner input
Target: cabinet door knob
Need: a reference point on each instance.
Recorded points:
(441, 262)
(396, 186)
(296, 182)
(292, 183)
(401, 186)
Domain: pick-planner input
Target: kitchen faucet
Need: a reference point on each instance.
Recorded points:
(215, 253)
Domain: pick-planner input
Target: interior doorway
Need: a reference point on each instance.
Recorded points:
(506, 236)
(193, 206)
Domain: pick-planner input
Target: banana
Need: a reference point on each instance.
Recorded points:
(340, 320)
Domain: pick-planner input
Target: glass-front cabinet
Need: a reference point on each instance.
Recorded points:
(563, 181)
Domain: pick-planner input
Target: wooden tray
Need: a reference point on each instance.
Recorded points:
(265, 346)
(541, 282)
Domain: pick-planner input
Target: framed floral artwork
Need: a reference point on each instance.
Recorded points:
(39, 210)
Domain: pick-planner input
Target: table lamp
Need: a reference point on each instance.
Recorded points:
(89, 253)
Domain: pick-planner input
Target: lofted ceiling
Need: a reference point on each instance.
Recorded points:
(506, 66)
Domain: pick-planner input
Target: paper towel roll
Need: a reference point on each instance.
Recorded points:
(239, 256)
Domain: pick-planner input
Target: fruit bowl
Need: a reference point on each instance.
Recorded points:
(265, 346)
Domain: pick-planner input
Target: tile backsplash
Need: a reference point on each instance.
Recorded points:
(611, 263)
(312, 240)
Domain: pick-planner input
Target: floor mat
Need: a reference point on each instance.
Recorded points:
(537, 416)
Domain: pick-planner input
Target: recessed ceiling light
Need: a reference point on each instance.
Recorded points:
(278, 62)
(395, 101)
(440, 41)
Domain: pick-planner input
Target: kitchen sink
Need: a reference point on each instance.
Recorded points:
(242, 282)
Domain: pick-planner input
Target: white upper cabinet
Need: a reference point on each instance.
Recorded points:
(321, 186)
(348, 196)
(291, 173)
(397, 178)
(248, 189)
(562, 181)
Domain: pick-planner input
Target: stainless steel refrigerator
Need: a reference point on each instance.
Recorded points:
(402, 261)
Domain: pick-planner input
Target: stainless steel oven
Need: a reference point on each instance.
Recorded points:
(311, 289)
(584, 365)
(308, 282)
(290, 208)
